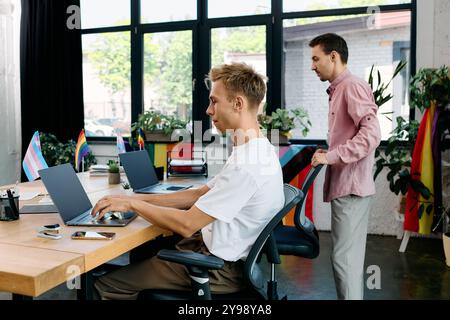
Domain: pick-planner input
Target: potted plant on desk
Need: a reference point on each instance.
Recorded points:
(113, 172)
(280, 123)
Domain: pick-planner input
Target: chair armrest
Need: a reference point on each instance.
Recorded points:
(191, 259)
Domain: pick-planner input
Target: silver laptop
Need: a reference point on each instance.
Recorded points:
(142, 176)
(72, 202)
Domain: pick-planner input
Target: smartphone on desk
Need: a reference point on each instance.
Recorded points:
(92, 235)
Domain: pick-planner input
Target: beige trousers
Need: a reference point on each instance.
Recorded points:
(154, 273)
(349, 220)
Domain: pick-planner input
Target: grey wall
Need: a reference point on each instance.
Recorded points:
(9, 92)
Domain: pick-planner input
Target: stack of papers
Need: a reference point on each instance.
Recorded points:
(101, 170)
(98, 170)
(182, 163)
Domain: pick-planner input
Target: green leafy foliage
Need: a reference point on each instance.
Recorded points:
(56, 152)
(154, 121)
(430, 85)
(286, 120)
(379, 92)
(113, 166)
(426, 86)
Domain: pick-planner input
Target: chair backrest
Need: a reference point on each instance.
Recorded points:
(299, 217)
(252, 273)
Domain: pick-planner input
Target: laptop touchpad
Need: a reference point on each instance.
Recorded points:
(174, 188)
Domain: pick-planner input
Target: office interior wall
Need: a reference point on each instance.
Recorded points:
(10, 131)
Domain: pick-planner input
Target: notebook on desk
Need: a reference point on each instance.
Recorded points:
(72, 202)
(38, 208)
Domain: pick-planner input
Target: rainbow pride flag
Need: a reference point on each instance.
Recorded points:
(81, 150)
(424, 168)
(140, 139)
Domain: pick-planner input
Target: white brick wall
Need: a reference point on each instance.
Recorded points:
(303, 87)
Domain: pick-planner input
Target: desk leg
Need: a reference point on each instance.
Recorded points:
(86, 292)
(20, 297)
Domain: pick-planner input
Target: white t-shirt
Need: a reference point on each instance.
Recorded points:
(243, 198)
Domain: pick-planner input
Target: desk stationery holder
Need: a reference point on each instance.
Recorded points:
(195, 165)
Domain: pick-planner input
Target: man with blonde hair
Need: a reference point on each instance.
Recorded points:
(222, 218)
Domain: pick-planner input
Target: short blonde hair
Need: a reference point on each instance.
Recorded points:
(240, 78)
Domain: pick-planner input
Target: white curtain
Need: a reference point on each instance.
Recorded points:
(10, 129)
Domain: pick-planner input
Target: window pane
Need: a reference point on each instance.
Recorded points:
(168, 73)
(168, 10)
(307, 5)
(106, 83)
(240, 44)
(383, 47)
(104, 13)
(232, 8)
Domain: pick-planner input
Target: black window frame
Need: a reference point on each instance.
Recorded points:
(201, 52)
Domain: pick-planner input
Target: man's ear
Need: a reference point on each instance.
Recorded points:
(239, 103)
(333, 56)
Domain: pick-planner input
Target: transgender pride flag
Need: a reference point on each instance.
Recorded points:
(33, 160)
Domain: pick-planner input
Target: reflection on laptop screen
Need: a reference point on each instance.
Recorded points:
(139, 169)
(66, 191)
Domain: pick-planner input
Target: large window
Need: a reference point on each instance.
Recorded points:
(310, 5)
(141, 55)
(367, 47)
(168, 10)
(168, 73)
(106, 83)
(232, 8)
(104, 13)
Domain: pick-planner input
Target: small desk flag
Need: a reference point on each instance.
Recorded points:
(81, 150)
(120, 144)
(33, 160)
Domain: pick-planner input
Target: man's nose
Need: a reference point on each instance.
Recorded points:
(209, 111)
(313, 67)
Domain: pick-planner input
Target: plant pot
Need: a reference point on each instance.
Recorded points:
(156, 136)
(113, 178)
(277, 138)
(446, 241)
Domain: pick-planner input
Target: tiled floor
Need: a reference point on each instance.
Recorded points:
(420, 273)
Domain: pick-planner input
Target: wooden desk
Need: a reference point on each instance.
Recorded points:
(30, 265)
(33, 271)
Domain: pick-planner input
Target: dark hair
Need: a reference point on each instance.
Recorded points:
(331, 42)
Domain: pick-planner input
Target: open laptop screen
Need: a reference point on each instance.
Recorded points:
(139, 169)
(66, 191)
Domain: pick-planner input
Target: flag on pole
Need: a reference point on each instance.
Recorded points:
(81, 150)
(419, 214)
(140, 139)
(120, 144)
(33, 160)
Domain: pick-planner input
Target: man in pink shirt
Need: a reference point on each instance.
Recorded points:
(353, 135)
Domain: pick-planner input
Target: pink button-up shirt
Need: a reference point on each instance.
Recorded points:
(353, 135)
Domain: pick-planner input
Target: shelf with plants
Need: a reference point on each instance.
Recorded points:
(158, 127)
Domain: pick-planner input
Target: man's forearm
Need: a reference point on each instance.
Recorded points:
(180, 200)
(166, 218)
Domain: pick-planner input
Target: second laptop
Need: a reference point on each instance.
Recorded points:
(142, 176)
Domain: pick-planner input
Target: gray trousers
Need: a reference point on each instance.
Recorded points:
(349, 220)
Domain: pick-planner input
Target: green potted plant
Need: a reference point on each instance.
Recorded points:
(426, 86)
(280, 123)
(157, 126)
(56, 152)
(113, 172)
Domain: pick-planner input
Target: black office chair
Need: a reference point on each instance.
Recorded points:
(199, 264)
(301, 240)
